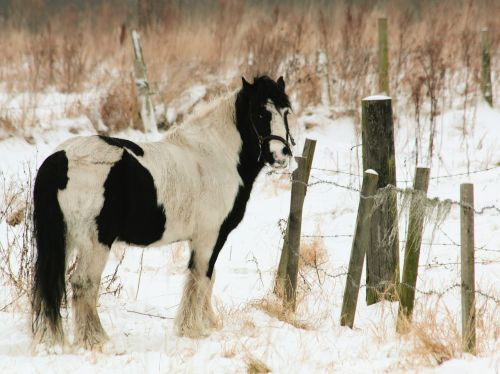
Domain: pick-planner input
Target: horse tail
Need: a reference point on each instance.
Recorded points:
(50, 236)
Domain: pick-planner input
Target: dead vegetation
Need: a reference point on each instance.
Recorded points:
(312, 252)
(119, 109)
(70, 49)
(273, 306)
(17, 252)
(434, 335)
(256, 366)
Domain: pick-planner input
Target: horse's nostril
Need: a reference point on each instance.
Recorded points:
(286, 151)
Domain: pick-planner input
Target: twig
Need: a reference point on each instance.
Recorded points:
(140, 274)
(148, 315)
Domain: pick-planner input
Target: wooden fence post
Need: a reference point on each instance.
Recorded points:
(383, 56)
(467, 267)
(308, 153)
(322, 71)
(412, 248)
(295, 223)
(360, 243)
(382, 257)
(143, 87)
(486, 67)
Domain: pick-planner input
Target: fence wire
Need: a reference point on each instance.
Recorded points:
(408, 194)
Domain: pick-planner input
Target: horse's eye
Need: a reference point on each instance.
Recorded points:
(261, 116)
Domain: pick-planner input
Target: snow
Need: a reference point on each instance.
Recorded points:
(139, 320)
(377, 98)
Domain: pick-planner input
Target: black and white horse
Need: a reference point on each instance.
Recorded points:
(193, 185)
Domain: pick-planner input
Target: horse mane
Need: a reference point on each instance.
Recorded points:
(218, 111)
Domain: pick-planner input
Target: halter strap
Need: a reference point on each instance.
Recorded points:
(268, 138)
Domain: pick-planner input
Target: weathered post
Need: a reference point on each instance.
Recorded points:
(143, 88)
(382, 257)
(383, 56)
(467, 267)
(412, 248)
(295, 224)
(308, 153)
(360, 243)
(486, 67)
(322, 71)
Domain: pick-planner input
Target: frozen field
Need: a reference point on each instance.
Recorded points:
(138, 307)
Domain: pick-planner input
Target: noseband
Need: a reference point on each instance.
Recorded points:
(268, 138)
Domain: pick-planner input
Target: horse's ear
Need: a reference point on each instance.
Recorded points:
(281, 83)
(246, 85)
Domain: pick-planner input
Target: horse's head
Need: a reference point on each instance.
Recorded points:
(268, 110)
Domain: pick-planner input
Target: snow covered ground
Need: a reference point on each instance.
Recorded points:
(139, 318)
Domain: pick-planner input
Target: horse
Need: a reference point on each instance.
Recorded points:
(193, 185)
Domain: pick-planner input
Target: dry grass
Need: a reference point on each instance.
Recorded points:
(17, 252)
(431, 44)
(434, 335)
(119, 109)
(256, 366)
(435, 340)
(312, 252)
(273, 307)
(6, 127)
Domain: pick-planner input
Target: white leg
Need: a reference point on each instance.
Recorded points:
(85, 282)
(195, 317)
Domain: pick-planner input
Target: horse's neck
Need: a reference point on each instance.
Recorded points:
(210, 130)
(224, 134)
(250, 158)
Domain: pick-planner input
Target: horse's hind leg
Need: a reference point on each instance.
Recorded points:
(85, 282)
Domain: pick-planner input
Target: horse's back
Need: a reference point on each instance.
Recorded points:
(144, 193)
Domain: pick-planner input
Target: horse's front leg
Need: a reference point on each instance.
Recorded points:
(195, 317)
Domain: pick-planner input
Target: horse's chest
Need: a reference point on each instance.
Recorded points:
(217, 198)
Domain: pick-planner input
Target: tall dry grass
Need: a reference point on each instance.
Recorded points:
(434, 48)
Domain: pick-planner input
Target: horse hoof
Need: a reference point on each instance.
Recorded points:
(92, 343)
(44, 349)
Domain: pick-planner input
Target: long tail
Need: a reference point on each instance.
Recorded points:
(50, 235)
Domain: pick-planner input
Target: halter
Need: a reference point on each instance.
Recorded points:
(268, 138)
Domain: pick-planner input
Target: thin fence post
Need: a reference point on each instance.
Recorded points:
(322, 71)
(360, 243)
(382, 256)
(467, 267)
(383, 56)
(486, 67)
(143, 88)
(412, 248)
(308, 153)
(295, 223)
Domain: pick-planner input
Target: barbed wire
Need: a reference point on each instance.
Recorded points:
(481, 248)
(437, 293)
(435, 200)
(409, 181)
(328, 236)
(466, 173)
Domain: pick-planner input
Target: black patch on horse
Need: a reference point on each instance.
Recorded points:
(250, 100)
(123, 143)
(130, 212)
